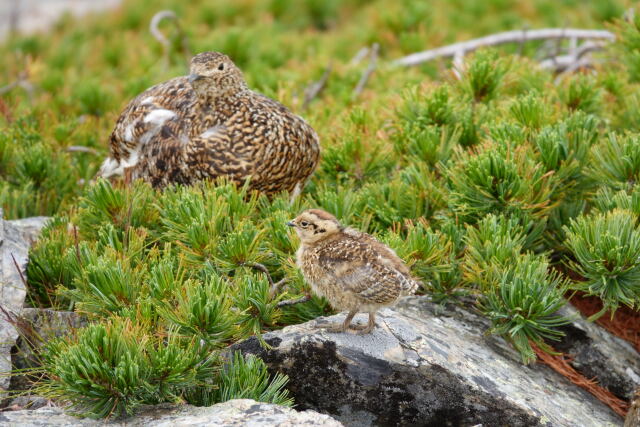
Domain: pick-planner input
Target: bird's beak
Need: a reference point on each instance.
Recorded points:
(291, 224)
(194, 77)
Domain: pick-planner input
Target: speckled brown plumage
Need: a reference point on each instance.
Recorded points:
(354, 271)
(208, 125)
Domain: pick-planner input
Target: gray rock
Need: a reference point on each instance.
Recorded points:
(16, 238)
(240, 412)
(596, 353)
(423, 365)
(30, 16)
(28, 402)
(37, 326)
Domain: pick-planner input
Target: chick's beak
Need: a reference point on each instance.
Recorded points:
(291, 224)
(194, 77)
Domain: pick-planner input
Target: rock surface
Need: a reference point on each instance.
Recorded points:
(424, 365)
(16, 238)
(240, 412)
(36, 327)
(29, 16)
(596, 353)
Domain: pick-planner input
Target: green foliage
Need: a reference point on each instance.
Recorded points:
(491, 248)
(522, 305)
(473, 181)
(616, 161)
(432, 254)
(606, 200)
(530, 110)
(607, 252)
(35, 177)
(484, 76)
(113, 367)
(92, 98)
(629, 46)
(247, 378)
(499, 179)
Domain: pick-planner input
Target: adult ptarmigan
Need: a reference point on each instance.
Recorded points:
(208, 125)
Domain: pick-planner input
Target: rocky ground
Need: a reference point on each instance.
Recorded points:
(28, 16)
(433, 365)
(239, 412)
(425, 364)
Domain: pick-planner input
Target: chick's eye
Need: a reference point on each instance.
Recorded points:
(221, 67)
(304, 223)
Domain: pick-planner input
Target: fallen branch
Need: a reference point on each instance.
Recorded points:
(22, 81)
(294, 301)
(22, 278)
(81, 149)
(517, 36)
(315, 88)
(166, 45)
(567, 63)
(373, 63)
(360, 55)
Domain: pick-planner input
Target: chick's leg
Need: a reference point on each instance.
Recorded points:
(339, 327)
(370, 325)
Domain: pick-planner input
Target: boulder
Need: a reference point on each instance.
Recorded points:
(16, 237)
(239, 412)
(423, 365)
(596, 353)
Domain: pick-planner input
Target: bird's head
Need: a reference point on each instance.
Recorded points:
(214, 75)
(314, 225)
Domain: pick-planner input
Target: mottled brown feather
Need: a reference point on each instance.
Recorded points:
(183, 131)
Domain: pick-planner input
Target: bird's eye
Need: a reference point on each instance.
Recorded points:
(221, 67)
(304, 223)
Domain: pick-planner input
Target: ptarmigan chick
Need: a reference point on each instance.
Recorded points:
(354, 271)
(208, 125)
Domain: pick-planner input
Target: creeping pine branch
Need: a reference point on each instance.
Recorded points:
(294, 301)
(366, 74)
(517, 36)
(166, 45)
(315, 88)
(274, 286)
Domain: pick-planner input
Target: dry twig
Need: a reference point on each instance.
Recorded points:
(360, 55)
(576, 58)
(502, 38)
(23, 82)
(366, 74)
(314, 89)
(166, 45)
(81, 149)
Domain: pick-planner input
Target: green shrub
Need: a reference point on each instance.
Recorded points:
(499, 179)
(607, 254)
(485, 183)
(523, 305)
(616, 161)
